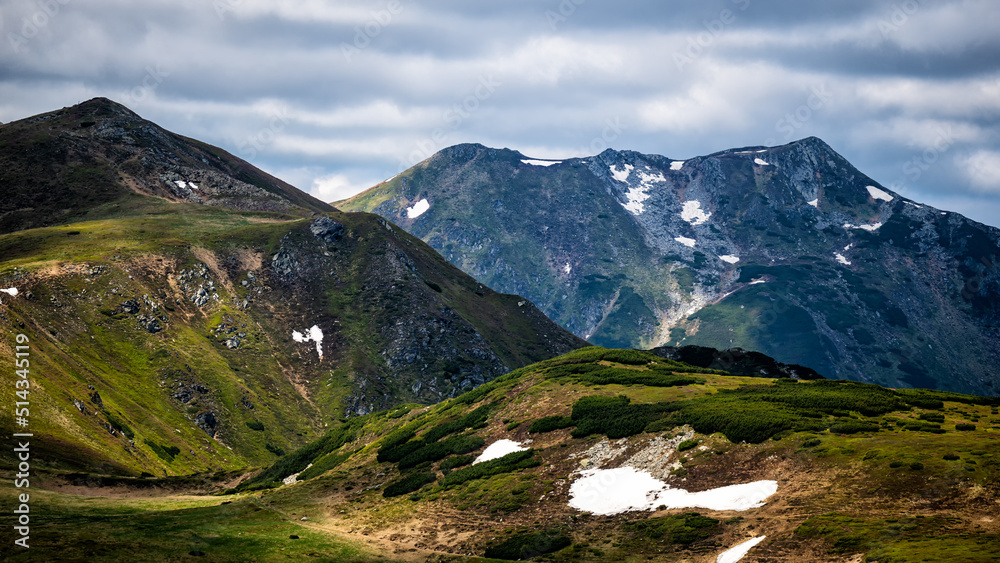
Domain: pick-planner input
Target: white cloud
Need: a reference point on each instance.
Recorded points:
(983, 170)
(336, 187)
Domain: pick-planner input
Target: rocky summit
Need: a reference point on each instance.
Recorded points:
(787, 250)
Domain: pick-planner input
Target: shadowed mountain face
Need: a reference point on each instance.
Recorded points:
(219, 323)
(90, 160)
(787, 250)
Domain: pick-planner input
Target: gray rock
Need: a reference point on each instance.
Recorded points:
(326, 229)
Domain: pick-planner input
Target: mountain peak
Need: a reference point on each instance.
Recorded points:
(78, 161)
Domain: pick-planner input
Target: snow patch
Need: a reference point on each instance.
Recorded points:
(622, 489)
(12, 291)
(677, 164)
(499, 449)
(314, 334)
(567, 268)
(757, 281)
(692, 213)
(621, 175)
(417, 209)
(647, 178)
(729, 258)
(814, 203)
(761, 162)
(636, 196)
(870, 228)
(689, 242)
(534, 162)
(193, 186)
(840, 258)
(879, 194)
(181, 184)
(913, 204)
(734, 554)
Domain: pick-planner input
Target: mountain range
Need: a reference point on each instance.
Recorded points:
(787, 250)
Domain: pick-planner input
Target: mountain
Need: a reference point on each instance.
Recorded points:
(598, 455)
(788, 250)
(89, 161)
(214, 325)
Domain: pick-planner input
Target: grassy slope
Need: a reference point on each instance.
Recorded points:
(885, 493)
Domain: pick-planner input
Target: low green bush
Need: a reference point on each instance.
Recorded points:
(686, 445)
(550, 423)
(965, 427)
(408, 484)
(255, 425)
(506, 464)
(526, 545)
(854, 427)
(457, 461)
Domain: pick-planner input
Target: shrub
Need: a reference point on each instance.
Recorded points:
(950, 457)
(916, 466)
(896, 464)
(965, 427)
(681, 529)
(457, 461)
(440, 450)
(255, 425)
(686, 445)
(810, 443)
(506, 464)
(932, 417)
(550, 423)
(853, 427)
(525, 545)
(408, 484)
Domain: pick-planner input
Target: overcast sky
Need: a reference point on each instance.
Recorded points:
(334, 97)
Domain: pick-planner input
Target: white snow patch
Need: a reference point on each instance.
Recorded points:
(879, 194)
(689, 242)
(692, 213)
(677, 164)
(193, 186)
(647, 178)
(757, 281)
(734, 554)
(417, 209)
(314, 334)
(913, 204)
(872, 227)
(848, 247)
(567, 268)
(499, 449)
(636, 196)
(814, 203)
(623, 489)
(181, 184)
(534, 162)
(729, 258)
(761, 162)
(840, 258)
(621, 175)
(12, 291)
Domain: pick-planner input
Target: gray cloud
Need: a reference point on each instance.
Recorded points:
(335, 97)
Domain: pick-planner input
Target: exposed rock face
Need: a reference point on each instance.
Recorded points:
(326, 229)
(787, 250)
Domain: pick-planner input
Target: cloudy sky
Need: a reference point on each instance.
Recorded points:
(337, 96)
